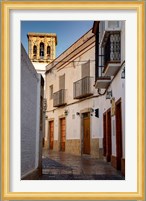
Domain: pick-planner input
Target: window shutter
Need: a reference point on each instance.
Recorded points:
(62, 82)
(86, 69)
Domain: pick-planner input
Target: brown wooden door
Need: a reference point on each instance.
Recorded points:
(108, 136)
(63, 134)
(118, 134)
(51, 132)
(86, 135)
(107, 140)
(104, 134)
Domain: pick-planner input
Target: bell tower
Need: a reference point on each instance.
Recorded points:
(41, 49)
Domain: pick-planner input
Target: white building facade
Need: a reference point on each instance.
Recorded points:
(110, 80)
(32, 91)
(85, 92)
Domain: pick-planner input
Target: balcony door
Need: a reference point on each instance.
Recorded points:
(104, 134)
(51, 134)
(86, 133)
(62, 134)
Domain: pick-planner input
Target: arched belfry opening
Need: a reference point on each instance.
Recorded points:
(48, 51)
(42, 50)
(34, 51)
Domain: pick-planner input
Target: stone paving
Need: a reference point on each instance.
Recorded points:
(63, 166)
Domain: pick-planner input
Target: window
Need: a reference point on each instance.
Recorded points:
(48, 50)
(34, 51)
(41, 49)
(51, 92)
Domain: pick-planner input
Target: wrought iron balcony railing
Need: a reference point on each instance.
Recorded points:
(83, 88)
(59, 98)
(112, 52)
(109, 58)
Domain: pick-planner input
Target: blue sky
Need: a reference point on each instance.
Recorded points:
(67, 31)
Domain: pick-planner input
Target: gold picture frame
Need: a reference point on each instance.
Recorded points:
(7, 6)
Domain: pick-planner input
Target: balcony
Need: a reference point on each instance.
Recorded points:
(102, 82)
(59, 98)
(112, 68)
(83, 88)
(108, 52)
(112, 55)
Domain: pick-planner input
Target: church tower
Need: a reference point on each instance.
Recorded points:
(41, 50)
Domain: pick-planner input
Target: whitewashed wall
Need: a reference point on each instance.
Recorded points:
(118, 91)
(30, 113)
(72, 74)
(40, 68)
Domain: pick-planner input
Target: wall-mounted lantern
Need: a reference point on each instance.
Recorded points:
(109, 94)
(66, 112)
(123, 73)
(77, 113)
(97, 112)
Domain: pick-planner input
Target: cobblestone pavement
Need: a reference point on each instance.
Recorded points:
(62, 166)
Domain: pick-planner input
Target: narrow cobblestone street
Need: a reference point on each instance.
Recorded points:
(62, 166)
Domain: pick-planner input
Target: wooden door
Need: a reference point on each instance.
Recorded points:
(118, 134)
(86, 135)
(51, 133)
(104, 134)
(108, 136)
(63, 134)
